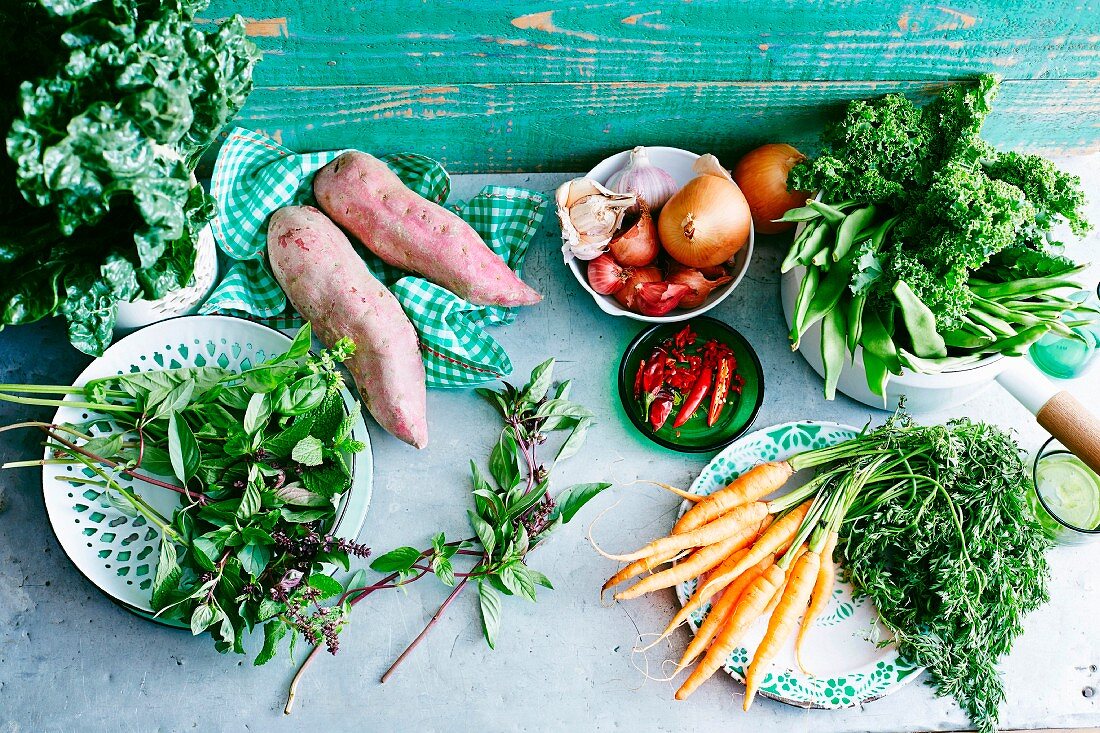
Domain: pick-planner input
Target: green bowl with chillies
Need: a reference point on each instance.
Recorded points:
(693, 386)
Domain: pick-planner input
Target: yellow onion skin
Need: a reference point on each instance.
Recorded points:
(762, 176)
(705, 223)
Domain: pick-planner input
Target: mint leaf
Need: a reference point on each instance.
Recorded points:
(309, 451)
(328, 586)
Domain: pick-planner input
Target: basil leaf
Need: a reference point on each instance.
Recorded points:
(400, 560)
(254, 558)
(201, 618)
(167, 576)
(183, 449)
(256, 415)
(490, 612)
(484, 531)
(570, 501)
(539, 384)
(575, 440)
(274, 631)
(328, 586)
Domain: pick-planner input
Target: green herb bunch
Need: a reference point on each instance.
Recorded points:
(260, 459)
(944, 542)
(98, 201)
(514, 511)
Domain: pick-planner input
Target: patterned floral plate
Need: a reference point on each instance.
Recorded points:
(119, 553)
(842, 651)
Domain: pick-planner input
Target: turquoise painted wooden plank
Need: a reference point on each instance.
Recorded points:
(377, 42)
(569, 127)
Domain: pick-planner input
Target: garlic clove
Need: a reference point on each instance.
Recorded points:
(708, 165)
(640, 176)
(589, 215)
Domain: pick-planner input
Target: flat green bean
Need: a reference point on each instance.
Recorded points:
(855, 308)
(997, 325)
(798, 247)
(920, 322)
(937, 364)
(877, 375)
(876, 340)
(964, 339)
(826, 297)
(833, 346)
(852, 225)
(831, 214)
(1030, 285)
(805, 293)
(1018, 345)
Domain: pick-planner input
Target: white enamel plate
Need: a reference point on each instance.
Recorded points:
(843, 649)
(119, 553)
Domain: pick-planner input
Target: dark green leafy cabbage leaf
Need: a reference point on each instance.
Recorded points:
(97, 193)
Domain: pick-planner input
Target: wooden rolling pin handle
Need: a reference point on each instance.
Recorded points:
(1071, 422)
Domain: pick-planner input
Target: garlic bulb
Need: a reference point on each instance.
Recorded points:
(589, 215)
(651, 184)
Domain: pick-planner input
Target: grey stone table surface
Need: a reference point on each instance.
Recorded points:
(71, 660)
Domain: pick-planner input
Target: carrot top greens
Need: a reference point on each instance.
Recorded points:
(951, 556)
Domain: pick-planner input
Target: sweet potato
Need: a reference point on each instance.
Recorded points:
(362, 195)
(330, 285)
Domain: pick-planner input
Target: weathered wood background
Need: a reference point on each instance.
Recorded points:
(495, 86)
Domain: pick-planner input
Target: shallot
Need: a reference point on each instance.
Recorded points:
(699, 284)
(606, 276)
(637, 244)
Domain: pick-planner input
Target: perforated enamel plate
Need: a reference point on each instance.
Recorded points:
(119, 553)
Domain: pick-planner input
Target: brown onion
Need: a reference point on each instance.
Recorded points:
(706, 223)
(699, 284)
(657, 299)
(637, 244)
(629, 291)
(762, 176)
(606, 276)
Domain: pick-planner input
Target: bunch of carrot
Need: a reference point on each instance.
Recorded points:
(754, 559)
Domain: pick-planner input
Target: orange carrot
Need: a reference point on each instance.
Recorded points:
(823, 591)
(728, 525)
(748, 609)
(774, 540)
(694, 565)
(753, 485)
(783, 622)
(705, 589)
(638, 567)
(720, 611)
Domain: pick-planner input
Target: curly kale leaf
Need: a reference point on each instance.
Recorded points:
(877, 153)
(1054, 194)
(956, 116)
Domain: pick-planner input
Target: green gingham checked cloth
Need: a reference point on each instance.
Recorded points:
(254, 175)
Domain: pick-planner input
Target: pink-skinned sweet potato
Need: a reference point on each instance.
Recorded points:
(330, 285)
(361, 194)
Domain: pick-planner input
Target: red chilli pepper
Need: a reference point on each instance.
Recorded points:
(659, 410)
(721, 389)
(695, 397)
(638, 380)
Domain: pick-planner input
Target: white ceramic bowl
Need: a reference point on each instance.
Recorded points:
(678, 163)
(922, 392)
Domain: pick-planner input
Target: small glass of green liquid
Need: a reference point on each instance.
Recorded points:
(1066, 495)
(1069, 358)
